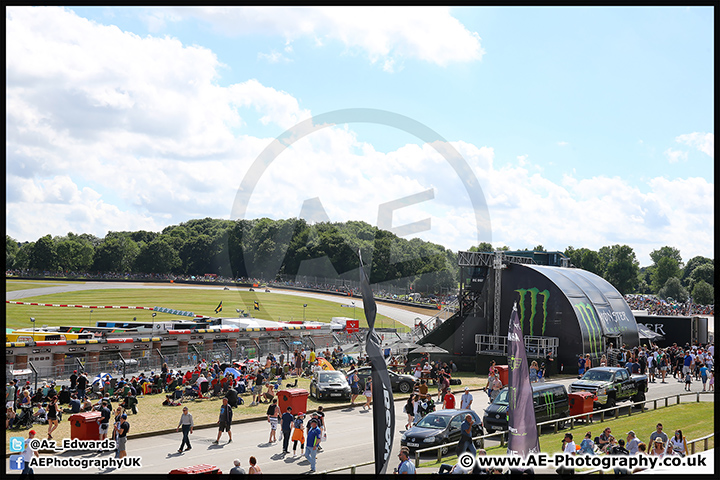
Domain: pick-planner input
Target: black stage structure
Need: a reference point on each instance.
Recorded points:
(564, 311)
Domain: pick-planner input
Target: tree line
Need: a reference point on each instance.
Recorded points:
(269, 249)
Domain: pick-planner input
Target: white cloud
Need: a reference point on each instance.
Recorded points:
(384, 34)
(563, 143)
(110, 131)
(705, 142)
(675, 156)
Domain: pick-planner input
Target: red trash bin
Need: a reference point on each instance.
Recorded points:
(581, 402)
(196, 469)
(84, 426)
(504, 372)
(295, 398)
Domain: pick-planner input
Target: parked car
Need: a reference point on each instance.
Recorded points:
(400, 382)
(438, 428)
(611, 385)
(329, 384)
(549, 399)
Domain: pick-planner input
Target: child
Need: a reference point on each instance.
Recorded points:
(711, 381)
(688, 381)
(298, 434)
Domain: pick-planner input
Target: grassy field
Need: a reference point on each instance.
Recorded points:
(273, 306)
(694, 419)
(12, 285)
(153, 416)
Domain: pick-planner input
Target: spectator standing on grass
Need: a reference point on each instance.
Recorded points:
(224, 421)
(658, 433)
(186, 423)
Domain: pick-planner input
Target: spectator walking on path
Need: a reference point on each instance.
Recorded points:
(313, 442)
(122, 430)
(273, 412)
(354, 387)
(466, 400)
(186, 423)
(298, 434)
(285, 426)
(27, 455)
(224, 421)
(368, 393)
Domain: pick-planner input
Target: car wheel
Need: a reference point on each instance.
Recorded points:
(610, 402)
(444, 450)
(405, 387)
(639, 397)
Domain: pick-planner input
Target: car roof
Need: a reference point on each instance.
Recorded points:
(451, 412)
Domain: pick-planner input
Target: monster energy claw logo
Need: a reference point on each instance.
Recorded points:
(586, 313)
(534, 292)
(549, 403)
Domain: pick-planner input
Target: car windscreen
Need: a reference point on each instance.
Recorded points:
(433, 421)
(502, 398)
(597, 375)
(327, 377)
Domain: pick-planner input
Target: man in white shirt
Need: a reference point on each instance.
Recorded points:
(466, 399)
(569, 445)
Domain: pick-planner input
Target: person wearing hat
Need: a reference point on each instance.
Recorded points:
(122, 431)
(27, 455)
(466, 400)
(298, 434)
(658, 448)
(73, 380)
(313, 442)
(632, 442)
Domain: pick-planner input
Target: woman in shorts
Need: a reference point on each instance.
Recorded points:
(368, 393)
(52, 416)
(298, 433)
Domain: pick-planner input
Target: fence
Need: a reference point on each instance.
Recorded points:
(444, 449)
(151, 361)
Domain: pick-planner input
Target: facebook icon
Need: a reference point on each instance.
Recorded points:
(17, 462)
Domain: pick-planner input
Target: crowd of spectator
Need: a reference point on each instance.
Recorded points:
(658, 306)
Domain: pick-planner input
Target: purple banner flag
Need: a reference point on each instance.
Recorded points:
(383, 406)
(523, 437)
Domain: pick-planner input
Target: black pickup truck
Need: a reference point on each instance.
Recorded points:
(611, 385)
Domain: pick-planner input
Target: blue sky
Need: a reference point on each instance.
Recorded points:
(583, 126)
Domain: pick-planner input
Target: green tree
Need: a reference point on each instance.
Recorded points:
(44, 255)
(703, 293)
(586, 259)
(666, 267)
(621, 267)
(692, 264)
(22, 258)
(117, 254)
(704, 272)
(11, 249)
(158, 256)
(482, 247)
(666, 252)
(74, 253)
(673, 289)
